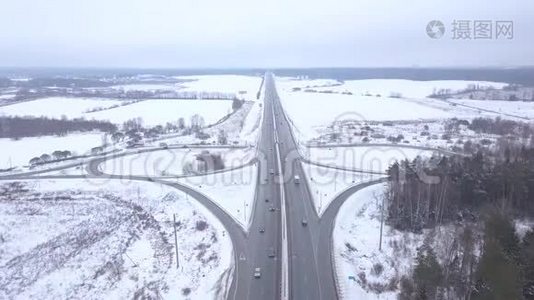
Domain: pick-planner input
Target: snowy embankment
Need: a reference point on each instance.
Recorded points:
(326, 183)
(171, 162)
(252, 125)
(100, 239)
(233, 191)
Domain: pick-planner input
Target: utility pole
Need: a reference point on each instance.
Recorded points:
(381, 223)
(175, 241)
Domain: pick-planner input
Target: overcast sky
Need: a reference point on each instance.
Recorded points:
(252, 33)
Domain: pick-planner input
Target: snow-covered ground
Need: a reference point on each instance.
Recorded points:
(56, 107)
(171, 162)
(101, 239)
(241, 128)
(252, 124)
(407, 88)
(152, 112)
(19, 152)
(233, 191)
(79, 170)
(375, 159)
(160, 111)
(432, 134)
(148, 87)
(244, 87)
(326, 183)
(291, 83)
(369, 100)
(513, 108)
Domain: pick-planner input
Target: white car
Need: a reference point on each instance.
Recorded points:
(297, 179)
(257, 273)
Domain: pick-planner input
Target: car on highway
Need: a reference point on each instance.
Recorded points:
(150, 179)
(257, 272)
(266, 199)
(271, 172)
(272, 208)
(296, 179)
(304, 222)
(271, 252)
(163, 145)
(262, 230)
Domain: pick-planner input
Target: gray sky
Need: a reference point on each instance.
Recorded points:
(253, 33)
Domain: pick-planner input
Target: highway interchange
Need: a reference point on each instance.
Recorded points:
(286, 238)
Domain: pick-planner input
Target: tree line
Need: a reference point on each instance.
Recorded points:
(423, 193)
(19, 127)
(501, 127)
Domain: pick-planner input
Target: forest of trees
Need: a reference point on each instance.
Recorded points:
(504, 269)
(483, 193)
(458, 187)
(19, 127)
(501, 127)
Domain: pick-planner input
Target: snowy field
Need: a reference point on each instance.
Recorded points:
(370, 101)
(514, 108)
(290, 83)
(407, 88)
(150, 87)
(171, 162)
(309, 111)
(159, 112)
(56, 107)
(19, 152)
(375, 159)
(153, 112)
(326, 183)
(104, 240)
(233, 191)
(245, 87)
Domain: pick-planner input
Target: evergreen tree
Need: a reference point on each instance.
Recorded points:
(427, 274)
(527, 262)
(498, 274)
